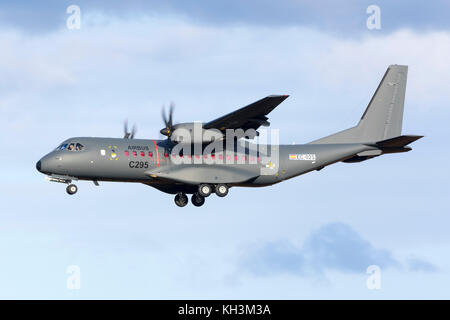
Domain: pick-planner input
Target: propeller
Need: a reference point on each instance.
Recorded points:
(168, 121)
(127, 134)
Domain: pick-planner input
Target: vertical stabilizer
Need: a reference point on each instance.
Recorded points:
(383, 116)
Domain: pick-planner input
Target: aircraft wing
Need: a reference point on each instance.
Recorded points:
(204, 174)
(250, 117)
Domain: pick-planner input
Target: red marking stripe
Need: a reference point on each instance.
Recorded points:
(157, 153)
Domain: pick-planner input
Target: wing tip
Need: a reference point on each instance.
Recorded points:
(278, 97)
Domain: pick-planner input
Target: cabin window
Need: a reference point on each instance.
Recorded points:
(134, 154)
(127, 153)
(142, 154)
(150, 154)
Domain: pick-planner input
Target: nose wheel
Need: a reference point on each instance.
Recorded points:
(71, 189)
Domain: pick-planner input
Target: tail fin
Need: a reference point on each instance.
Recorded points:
(383, 116)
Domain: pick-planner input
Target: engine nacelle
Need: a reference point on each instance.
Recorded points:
(193, 132)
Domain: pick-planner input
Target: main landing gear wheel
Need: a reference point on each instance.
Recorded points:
(197, 200)
(181, 199)
(71, 189)
(221, 190)
(204, 190)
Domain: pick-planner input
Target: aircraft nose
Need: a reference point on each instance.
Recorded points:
(38, 166)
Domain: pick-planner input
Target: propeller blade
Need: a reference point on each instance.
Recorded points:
(172, 106)
(127, 134)
(125, 129)
(168, 120)
(133, 131)
(163, 113)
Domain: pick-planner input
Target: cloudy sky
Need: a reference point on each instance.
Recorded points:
(309, 237)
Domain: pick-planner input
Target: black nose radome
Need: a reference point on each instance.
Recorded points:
(38, 166)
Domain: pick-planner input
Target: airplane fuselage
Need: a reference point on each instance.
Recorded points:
(210, 157)
(134, 160)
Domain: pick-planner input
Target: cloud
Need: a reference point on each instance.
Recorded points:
(276, 257)
(128, 69)
(333, 247)
(330, 16)
(338, 247)
(85, 82)
(417, 264)
(349, 63)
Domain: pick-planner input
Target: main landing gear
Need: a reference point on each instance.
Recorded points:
(181, 199)
(204, 190)
(221, 190)
(197, 199)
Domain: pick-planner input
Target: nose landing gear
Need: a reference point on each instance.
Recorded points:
(71, 189)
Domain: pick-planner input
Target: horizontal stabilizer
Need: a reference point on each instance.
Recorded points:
(397, 142)
(393, 145)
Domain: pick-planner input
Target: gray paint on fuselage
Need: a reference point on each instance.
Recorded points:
(90, 164)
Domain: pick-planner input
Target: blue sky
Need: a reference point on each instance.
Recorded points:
(309, 237)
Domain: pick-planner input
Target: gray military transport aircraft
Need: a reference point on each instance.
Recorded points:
(201, 165)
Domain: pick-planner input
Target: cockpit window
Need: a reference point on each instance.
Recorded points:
(62, 146)
(75, 146)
